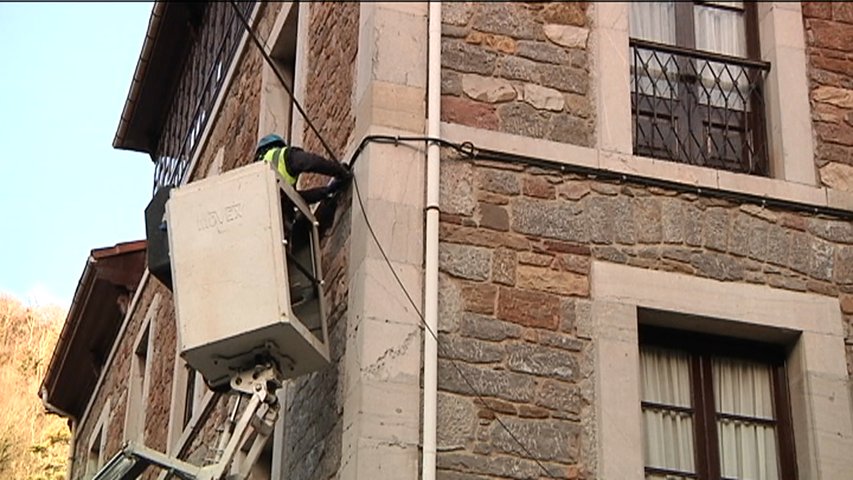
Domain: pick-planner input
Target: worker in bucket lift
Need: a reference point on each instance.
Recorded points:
(291, 161)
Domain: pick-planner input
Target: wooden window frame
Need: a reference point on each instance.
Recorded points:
(701, 349)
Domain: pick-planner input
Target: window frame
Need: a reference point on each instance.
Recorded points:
(96, 448)
(139, 380)
(701, 349)
(689, 115)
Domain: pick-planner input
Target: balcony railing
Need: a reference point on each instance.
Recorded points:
(202, 77)
(698, 108)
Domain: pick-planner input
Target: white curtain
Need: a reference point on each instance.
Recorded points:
(721, 31)
(655, 22)
(669, 435)
(747, 449)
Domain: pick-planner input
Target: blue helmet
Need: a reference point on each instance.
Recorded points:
(269, 141)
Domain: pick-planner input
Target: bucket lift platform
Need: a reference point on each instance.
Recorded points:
(248, 292)
(258, 419)
(247, 278)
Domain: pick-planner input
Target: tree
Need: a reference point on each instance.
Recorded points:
(33, 443)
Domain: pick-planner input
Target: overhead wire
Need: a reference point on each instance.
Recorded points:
(465, 148)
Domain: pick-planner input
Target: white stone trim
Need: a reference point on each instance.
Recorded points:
(611, 76)
(177, 411)
(817, 376)
(300, 76)
(701, 177)
(139, 382)
(99, 434)
(276, 107)
(789, 129)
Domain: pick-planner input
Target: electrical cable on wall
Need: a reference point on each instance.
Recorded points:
(388, 139)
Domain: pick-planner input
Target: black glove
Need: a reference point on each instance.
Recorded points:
(334, 186)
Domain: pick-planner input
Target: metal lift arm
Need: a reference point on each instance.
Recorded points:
(259, 417)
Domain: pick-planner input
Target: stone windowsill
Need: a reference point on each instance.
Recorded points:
(702, 177)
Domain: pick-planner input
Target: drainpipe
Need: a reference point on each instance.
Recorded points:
(431, 242)
(72, 443)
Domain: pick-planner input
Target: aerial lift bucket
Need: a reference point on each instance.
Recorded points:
(247, 278)
(248, 291)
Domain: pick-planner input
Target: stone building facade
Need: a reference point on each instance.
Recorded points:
(560, 241)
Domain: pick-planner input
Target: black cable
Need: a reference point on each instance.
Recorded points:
(281, 80)
(438, 344)
(383, 139)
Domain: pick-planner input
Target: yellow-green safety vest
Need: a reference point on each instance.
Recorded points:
(276, 156)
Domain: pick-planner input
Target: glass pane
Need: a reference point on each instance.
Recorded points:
(742, 388)
(658, 476)
(669, 440)
(665, 377)
(747, 450)
(720, 31)
(653, 21)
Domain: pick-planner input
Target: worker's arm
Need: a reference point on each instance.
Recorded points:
(300, 161)
(314, 195)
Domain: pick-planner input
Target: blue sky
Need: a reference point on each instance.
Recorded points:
(65, 69)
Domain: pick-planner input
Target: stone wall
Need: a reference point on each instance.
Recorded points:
(114, 387)
(829, 47)
(332, 48)
(314, 404)
(313, 424)
(516, 247)
(519, 68)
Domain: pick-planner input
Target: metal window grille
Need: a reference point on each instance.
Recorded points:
(214, 46)
(698, 108)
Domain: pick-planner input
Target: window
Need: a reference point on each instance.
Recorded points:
(189, 397)
(714, 407)
(217, 33)
(97, 442)
(276, 104)
(94, 458)
(696, 88)
(138, 383)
